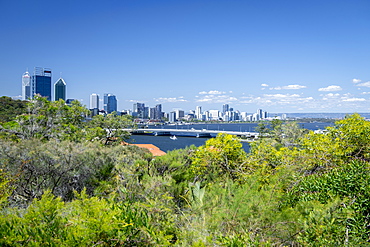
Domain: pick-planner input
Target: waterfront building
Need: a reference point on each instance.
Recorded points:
(110, 103)
(198, 112)
(260, 114)
(255, 117)
(180, 114)
(139, 110)
(41, 82)
(172, 117)
(243, 116)
(206, 115)
(156, 112)
(60, 89)
(26, 86)
(214, 115)
(94, 101)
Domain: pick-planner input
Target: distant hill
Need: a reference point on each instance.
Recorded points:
(319, 115)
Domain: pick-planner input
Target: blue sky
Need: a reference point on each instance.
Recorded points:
(281, 56)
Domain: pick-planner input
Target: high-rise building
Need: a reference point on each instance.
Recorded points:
(260, 114)
(158, 112)
(139, 110)
(110, 103)
(180, 114)
(94, 101)
(26, 86)
(214, 115)
(172, 117)
(225, 108)
(41, 82)
(60, 89)
(198, 112)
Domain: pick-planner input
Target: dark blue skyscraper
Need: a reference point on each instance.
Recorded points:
(110, 103)
(60, 90)
(41, 82)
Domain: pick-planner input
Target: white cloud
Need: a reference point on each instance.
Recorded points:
(365, 93)
(264, 85)
(330, 96)
(280, 99)
(289, 87)
(354, 99)
(356, 80)
(331, 88)
(171, 100)
(212, 92)
(364, 84)
(135, 101)
(211, 98)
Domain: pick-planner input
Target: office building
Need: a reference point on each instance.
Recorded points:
(214, 115)
(156, 112)
(41, 83)
(60, 90)
(26, 86)
(110, 103)
(94, 101)
(172, 117)
(260, 114)
(198, 112)
(225, 108)
(180, 114)
(139, 110)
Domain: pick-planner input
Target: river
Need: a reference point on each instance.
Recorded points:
(167, 144)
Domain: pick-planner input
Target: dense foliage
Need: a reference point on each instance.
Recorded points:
(11, 108)
(62, 185)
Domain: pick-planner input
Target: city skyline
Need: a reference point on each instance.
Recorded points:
(290, 56)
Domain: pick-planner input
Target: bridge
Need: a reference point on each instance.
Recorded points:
(193, 132)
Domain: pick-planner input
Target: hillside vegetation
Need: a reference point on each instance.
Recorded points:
(68, 182)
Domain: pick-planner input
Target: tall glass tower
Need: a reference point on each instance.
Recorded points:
(26, 86)
(110, 103)
(60, 90)
(94, 101)
(41, 82)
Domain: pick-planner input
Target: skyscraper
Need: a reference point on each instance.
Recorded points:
(198, 112)
(41, 83)
(26, 86)
(94, 101)
(110, 103)
(60, 89)
(225, 108)
(158, 112)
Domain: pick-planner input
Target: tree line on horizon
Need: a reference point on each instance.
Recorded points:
(68, 182)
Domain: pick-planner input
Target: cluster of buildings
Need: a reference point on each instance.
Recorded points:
(109, 104)
(227, 114)
(40, 82)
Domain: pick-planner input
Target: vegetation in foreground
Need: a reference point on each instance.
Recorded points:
(67, 182)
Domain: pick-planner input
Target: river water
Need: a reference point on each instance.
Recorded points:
(167, 144)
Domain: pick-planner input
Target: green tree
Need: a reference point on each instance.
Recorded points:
(262, 129)
(109, 128)
(221, 155)
(47, 120)
(11, 108)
